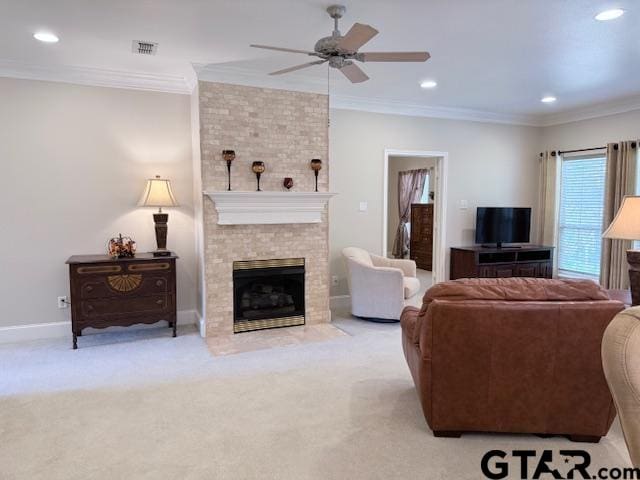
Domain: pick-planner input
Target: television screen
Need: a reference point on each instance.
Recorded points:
(503, 225)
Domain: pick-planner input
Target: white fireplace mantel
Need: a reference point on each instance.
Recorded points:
(250, 208)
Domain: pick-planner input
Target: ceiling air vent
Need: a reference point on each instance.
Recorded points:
(144, 48)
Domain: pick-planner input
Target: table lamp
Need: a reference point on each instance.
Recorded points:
(626, 226)
(157, 193)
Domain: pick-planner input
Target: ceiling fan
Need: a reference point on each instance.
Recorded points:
(341, 50)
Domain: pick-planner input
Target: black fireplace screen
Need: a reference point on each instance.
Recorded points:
(268, 294)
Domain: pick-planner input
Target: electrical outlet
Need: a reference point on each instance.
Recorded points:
(63, 302)
(334, 280)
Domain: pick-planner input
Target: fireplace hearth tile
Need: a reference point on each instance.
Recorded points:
(264, 339)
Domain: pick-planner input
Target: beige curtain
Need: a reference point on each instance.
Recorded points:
(410, 186)
(620, 180)
(549, 201)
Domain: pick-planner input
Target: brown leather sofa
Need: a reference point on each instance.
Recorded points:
(511, 355)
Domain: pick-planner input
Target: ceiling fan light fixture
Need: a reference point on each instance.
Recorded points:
(429, 84)
(548, 99)
(609, 14)
(46, 37)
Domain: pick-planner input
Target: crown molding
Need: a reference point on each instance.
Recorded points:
(220, 73)
(99, 77)
(414, 110)
(599, 110)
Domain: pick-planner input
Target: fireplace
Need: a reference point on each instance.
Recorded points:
(268, 294)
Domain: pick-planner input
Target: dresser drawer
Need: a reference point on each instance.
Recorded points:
(99, 286)
(102, 307)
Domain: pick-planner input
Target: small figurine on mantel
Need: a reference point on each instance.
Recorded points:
(121, 247)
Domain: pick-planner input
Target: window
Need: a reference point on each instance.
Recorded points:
(580, 223)
(424, 198)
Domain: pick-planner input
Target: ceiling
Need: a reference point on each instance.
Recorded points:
(498, 56)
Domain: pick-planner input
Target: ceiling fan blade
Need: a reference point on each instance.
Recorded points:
(297, 67)
(356, 37)
(354, 73)
(394, 56)
(280, 49)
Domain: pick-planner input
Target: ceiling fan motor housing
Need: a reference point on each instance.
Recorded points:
(328, 47)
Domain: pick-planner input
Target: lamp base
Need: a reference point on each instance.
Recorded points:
(160, 220)
(162, 253)
(633, 259)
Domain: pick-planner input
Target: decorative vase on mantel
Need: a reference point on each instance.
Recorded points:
(229, 156)
(258, 168)
(316, 166)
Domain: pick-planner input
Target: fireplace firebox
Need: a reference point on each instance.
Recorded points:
(268, 294)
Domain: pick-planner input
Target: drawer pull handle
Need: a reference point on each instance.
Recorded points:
(159, 302)
(159, 283)
(99, 269)
(89, 308)
(89, 288)
(148, 267)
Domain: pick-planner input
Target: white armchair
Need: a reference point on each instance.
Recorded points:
(378, 285)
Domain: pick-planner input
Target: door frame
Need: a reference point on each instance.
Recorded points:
(439, 210)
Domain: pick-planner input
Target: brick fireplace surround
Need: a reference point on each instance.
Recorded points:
(286, 130)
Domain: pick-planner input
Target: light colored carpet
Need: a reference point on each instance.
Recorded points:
(141, 405)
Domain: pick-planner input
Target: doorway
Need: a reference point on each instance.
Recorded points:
(429, 200)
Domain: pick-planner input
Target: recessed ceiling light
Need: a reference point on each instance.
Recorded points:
(548, 99)
(429, 84)
(610, 14)
(46, 37)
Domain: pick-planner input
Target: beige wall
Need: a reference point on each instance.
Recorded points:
(592, 133)
(74, 164)
(489, 164)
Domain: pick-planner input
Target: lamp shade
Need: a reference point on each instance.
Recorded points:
(157, 193)
(626, 224)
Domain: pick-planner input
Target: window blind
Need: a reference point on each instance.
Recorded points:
(580, 222)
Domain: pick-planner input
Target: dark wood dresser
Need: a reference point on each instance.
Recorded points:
(421, 241)
(108, 292)
(480, 262)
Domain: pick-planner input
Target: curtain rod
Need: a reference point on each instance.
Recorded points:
(561, 152)
(586, 149)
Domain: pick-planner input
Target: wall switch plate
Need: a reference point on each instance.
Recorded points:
(363, 206)
(334, 280)
(63, 302)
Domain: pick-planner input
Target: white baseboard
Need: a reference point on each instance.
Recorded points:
(40, 331)
(340, 301)
(200, 324)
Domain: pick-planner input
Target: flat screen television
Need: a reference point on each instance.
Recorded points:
(499, 225)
